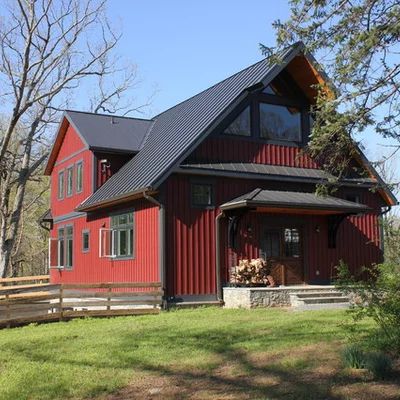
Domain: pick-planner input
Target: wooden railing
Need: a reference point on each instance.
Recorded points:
(21, 304)
(25, 280)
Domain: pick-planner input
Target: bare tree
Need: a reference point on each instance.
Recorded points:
(48, 48)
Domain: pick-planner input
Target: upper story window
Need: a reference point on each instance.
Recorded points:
(61, 183)
(70, 180)
(280, 122)
(241, 124)
(279, 112)
(79, 177)
(202, 195)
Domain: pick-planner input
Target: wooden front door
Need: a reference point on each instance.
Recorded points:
(282, 248)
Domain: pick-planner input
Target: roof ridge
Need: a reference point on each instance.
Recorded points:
(109, 115)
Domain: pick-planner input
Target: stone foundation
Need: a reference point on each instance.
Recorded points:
(254, 297)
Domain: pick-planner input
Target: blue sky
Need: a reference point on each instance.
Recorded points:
(182, 47)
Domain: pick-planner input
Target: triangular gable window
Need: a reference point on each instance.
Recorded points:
(269, 90)
(241, 124)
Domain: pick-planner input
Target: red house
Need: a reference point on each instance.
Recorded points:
(184, 196)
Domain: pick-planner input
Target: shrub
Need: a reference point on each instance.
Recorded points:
(379, 364)
(354, 357)
(376, 292)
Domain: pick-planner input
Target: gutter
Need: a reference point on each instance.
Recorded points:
(161, 238)
(218, 255)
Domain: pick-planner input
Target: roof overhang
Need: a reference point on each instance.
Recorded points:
(115, 201)
(293, 203)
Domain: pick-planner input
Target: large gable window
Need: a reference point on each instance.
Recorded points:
(240, 125)
(278, 122)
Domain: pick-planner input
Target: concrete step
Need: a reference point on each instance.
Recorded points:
(303, 295)
(324, 300)
(319, 306)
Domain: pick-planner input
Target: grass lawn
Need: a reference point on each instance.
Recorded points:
(187, 354)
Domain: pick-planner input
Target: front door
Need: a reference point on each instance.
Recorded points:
(282, 248)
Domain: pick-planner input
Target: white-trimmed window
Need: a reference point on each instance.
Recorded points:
(60, 185)
(79, 176)
(61, 248)
(117, 242)
(70, 180)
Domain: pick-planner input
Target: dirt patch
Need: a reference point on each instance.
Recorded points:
(308, 372)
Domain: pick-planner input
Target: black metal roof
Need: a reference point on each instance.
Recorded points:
(278, 171)
(100, 131)
(294, 200)
(179, 129)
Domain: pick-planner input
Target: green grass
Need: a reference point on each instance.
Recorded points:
(92, 357)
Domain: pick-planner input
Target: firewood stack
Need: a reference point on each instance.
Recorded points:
(251, 272)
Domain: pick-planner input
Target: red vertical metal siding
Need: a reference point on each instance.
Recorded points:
(72, 144)
(221, 149)
(89, 267)
(191, 236)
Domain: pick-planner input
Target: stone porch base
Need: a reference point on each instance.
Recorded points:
(253, 297)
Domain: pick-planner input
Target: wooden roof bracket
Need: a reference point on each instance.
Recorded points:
(334, 222)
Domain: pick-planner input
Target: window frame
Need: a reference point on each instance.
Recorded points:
(83, 233)
(193, 204)
(254, 100)
(61, 173)
(114, 233)
(77, 165)
(68, 170)
(64, 243)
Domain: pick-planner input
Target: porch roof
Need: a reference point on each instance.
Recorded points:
(281, 201)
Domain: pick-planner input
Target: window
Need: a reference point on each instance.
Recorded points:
(202, 194)
(61, 185)
(241, 125)
(85, 241)
(69, 241)
(292, 242)
(79, 177)
(122, 231)
(353, 197)
(61, 247)
(280, 122)
(70, 182)
(65, 246)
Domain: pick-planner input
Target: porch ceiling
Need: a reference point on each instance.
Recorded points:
(293, 202)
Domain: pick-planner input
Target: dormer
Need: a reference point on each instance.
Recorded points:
(88, 150)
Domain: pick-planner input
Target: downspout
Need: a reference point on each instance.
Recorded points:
(382, 228)
(218, 254)
(161, 238)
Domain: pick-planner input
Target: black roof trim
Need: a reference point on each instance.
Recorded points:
(295, 200)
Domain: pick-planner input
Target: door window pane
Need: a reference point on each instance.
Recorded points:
(292, 242)
(280, 122)
(241, 125)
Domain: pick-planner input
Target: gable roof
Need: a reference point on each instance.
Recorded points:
(169, 137)
(179, 129)
(102, 132)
